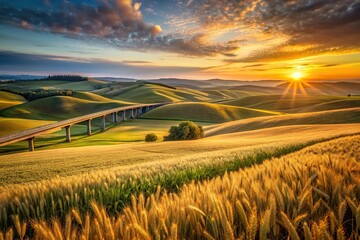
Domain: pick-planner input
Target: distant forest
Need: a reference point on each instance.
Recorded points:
(70, 78)
(31, 95)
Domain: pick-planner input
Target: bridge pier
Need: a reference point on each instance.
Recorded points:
(115, 117)
(124, 115)
(133, 113)
(103, 123)
(68, 134)
(88, 124)
(31, 144)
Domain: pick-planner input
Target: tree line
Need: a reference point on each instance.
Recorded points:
(69, 78)
(75, 78)
(31, 95)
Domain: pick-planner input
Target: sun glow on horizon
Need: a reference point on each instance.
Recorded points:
(296, 76)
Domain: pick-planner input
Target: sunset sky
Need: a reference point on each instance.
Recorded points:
(245, 40)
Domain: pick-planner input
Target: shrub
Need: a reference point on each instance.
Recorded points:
(151, 137)
(186, 130)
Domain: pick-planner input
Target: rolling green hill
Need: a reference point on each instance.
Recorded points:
(10, 99)
(205, 112)
(34, 84)
(228, 94)
(325, 88)
(299, 103)
(95, 97)
(257, 89)
(151, 93)
(9, 125)
(58, 107)
(332, 105)
(88, 85)
(339, 116)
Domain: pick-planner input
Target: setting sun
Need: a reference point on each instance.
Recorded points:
(297, 76)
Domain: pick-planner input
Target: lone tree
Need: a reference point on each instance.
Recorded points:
(186, 130)
(151, 137)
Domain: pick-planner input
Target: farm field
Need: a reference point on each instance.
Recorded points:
(219, 201)
(112, 170)
(44, 164)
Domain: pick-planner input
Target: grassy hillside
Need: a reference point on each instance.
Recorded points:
(57, 107)
(326, 88)
(34, 84)
(228, 94)
(10, 125)
(150, 93)
(95, 97)
(351, 115)
(204, 112)
(299, 103)
(88, 85)
(331, 105)
(10, 99)
(130, 131)
(257, 89)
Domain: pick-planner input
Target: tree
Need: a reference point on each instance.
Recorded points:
(151, 137)
(349, 95)
(186, 130)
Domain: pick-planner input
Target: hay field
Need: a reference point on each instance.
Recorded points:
(311, 196)
(42, 165)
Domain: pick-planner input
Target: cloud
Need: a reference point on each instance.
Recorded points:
(135, 62)
(254, 65)
(116, 23)
(280, 30)
(120, 19)
(307, 27)
(19, 63)
(193, 45)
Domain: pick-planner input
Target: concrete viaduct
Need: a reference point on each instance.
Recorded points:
(117, 114)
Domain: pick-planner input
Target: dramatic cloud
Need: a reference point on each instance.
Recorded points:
(117, 23)
(308, 27)
(279, 29)
(118, 19)
(193, 45)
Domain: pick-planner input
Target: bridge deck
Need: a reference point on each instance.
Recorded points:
(30, 133)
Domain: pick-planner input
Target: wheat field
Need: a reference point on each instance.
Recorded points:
(310, 194)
